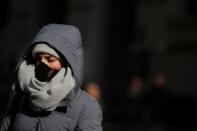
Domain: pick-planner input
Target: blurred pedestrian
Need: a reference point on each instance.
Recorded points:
(156, 99)
(134, 100)
(93, 89)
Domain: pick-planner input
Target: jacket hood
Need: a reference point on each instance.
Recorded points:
(66, 40)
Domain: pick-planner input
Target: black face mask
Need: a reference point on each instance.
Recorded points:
(44, 73)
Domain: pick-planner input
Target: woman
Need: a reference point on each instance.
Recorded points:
(46, 95)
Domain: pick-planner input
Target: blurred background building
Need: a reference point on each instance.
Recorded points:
(121, 39)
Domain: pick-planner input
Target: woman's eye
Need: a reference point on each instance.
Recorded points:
(51, 59)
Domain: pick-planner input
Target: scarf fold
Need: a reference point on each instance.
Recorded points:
(45, 96)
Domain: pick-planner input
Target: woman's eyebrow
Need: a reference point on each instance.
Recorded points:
(50, 57)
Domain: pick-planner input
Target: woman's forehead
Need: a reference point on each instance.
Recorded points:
(43, 54)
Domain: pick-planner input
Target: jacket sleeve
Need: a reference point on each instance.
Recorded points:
(11, 110)
(91, 117)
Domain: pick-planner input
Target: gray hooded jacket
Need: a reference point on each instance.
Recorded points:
(77, 112)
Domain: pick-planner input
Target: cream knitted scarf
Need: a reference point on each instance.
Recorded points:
(45, 96)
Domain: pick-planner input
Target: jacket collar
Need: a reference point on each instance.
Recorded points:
(68, 101)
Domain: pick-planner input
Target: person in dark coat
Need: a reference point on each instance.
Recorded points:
(156, 102)
(46, 95)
